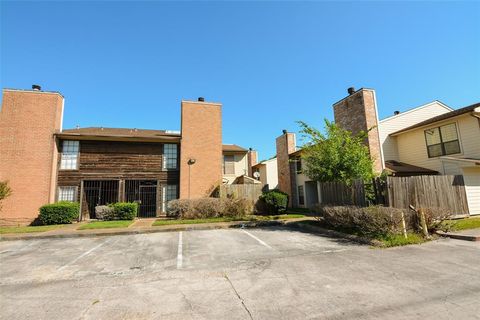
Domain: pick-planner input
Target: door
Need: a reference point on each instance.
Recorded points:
(311, 193)
(471, 176)
(148, 201)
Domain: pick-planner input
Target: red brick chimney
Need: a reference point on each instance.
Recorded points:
(28, 153)
(201, 148)
(286, 144)
(251, 160)
(358, 112)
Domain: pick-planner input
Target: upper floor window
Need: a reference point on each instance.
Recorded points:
(228, 164)
(69, 156)
(298, 163)
(170, 156)
(442, 140)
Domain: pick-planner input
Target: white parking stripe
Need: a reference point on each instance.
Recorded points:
(83, 254)
(260, 241)
(179, 251)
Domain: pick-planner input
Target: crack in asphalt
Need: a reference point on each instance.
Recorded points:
(238, 296)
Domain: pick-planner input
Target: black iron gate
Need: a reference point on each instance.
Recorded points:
(144, 192)
(99, 192)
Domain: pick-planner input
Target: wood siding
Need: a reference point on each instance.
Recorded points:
(118, 160)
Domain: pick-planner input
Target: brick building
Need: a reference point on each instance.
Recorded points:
(44, 163)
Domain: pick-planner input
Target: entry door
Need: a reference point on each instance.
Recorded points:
(148, 201)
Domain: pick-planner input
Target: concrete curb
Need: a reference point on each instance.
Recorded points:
(129, 231)
(335, 234)
(458, 236)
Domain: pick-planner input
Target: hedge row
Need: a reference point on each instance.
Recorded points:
(59, 213)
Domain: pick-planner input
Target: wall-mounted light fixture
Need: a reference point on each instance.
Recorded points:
(191, 161)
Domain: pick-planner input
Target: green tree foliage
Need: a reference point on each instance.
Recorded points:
(5, 191)
(336, 155)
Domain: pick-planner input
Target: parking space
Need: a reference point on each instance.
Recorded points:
(270, 273)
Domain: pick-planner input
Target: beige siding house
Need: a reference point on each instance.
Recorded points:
(267, 173)
(449, 144)
(236, 164)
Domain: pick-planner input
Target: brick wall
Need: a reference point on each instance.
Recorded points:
(252, 160)
(285, 145)
(202, 141)
(358, 112)
(28, 153)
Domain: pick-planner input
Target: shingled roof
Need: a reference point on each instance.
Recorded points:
(441, 117)
(233, 148)
(100, 133)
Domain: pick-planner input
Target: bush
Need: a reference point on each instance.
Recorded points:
(125, 210)
(209, 208)
(105, 212)
(5, 191)
(436, 219)
(275, 201)
(370, 221)
(59, 213)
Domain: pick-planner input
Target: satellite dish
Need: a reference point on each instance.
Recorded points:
(256, 175)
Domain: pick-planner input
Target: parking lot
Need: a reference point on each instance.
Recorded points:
(274, 273)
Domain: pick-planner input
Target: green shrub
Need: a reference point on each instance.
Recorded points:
(5, 191)
(125, 210)
(276, 201)
(209, 208)
(59, 213)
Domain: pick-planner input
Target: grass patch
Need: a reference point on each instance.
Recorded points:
(396, 240)
(165, 222)
(29, 229)
(106, 224)
(464, 224)
(192, 221)
(392, 240)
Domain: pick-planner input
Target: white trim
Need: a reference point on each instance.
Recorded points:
(382, 159)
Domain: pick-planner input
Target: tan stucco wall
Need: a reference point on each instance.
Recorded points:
(241, 166)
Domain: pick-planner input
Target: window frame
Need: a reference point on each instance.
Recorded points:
(233, 164)
(75, 193)
(442, 143)
(165, 157)
(164, 195)
(77, 160)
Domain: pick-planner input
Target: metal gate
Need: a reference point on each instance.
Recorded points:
(144, 192)
(99, 192)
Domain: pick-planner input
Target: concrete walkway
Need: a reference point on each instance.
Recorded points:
(468, 235)
(138, 227)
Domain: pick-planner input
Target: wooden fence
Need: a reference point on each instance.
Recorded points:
(241, 191)
(339, 193)
(447, 192)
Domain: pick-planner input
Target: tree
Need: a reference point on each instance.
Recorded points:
(5, 191)
(336, 155)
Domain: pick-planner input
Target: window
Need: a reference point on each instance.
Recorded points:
(170, 156)
(228, 164)
(442, 140)
(169, 192)
(298, 163)
(69, 156)
(301, 196)
(67, 194)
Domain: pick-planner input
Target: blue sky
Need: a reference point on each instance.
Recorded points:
(129, 64)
